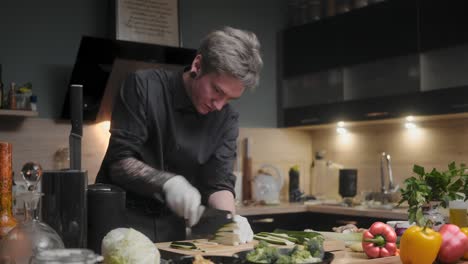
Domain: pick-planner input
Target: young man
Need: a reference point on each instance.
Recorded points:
(173, 136)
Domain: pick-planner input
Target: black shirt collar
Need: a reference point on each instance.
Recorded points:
(181, 99)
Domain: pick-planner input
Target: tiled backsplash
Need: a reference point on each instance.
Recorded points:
(37, 139)
(434, 144)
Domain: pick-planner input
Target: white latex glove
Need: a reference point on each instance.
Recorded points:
(245, 231)
(183, 199)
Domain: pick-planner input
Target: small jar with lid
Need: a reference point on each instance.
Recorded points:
(65, 256)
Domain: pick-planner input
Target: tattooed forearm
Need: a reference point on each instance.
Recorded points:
(138, 177)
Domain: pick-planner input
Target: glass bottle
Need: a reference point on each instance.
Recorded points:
(1, 89)
(30, 236)
(12, 96)
(7, 221)
(1, 95)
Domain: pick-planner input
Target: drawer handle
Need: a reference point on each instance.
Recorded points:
(377, 114)
(346, 222)
(264, 220)
(456, 106)
(309, 120)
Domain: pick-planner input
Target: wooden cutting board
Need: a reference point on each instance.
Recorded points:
(207, 248)
(214, 249)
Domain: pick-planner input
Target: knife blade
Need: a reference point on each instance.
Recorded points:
(211, 220)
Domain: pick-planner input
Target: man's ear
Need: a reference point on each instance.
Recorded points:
(196, 65)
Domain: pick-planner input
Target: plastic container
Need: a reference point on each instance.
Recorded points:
(458, 213)
(62, 256)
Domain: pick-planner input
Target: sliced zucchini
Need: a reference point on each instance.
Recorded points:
(183, 245)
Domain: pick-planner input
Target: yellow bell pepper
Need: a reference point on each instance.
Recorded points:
(465, 231)
(419, 245)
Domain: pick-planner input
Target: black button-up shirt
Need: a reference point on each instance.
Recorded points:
(155, 121)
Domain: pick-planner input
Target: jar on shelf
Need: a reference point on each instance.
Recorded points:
(314, 10)
(360, 3)
(12, 96)
(343, 6)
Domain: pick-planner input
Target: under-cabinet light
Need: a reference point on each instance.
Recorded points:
(410, 125)
(340, 129)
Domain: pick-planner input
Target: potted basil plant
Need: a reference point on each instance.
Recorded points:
(427, 190)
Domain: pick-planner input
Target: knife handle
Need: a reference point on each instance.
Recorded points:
(76, 109)
(247, 179)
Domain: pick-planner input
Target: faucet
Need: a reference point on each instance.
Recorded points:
(385, 165)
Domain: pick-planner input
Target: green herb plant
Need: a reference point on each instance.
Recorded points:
(431, 186)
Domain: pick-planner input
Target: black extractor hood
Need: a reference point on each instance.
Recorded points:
(102, 64)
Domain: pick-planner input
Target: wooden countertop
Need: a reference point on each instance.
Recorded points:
(348, 257)
(285, 208)
(341, 255)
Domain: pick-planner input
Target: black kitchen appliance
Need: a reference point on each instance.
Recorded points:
(106, 211)
(64, 201)
(347, 185)
(96, 59)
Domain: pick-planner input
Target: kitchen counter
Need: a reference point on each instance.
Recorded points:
(341, 255)
(349, 257)
(285, 208)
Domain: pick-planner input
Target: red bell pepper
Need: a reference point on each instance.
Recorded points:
(379, 241)
(454, 244)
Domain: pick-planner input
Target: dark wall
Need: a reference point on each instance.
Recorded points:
(39, 41)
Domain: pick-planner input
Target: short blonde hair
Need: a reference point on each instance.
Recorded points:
(232, 51)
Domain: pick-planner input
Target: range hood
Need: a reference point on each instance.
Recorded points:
(102, 64)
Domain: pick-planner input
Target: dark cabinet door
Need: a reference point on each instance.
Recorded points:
(367, 34)
(379, 31)
(312, 47)
(443, 23)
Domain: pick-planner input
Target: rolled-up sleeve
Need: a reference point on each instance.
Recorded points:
(128, 129)
(217, 172)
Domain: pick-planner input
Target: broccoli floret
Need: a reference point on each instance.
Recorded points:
(284, 259)
(315, 246)
(301, 256)
(262, 244)
(263, 254)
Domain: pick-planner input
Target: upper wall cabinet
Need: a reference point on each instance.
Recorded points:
(443, 23)
(386, 60)
(378, 31)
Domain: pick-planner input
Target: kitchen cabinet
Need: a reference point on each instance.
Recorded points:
(443, 23)
(378, 31)
(387, 60)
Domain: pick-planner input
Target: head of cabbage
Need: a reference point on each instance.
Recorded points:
(128, 246)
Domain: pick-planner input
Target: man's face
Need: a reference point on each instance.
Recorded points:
(211, 92)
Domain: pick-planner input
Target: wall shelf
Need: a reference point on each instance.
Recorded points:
(24, 113)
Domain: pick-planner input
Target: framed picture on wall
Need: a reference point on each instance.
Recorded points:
(148, 21)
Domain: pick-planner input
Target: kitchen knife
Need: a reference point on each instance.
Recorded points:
(76, 133)
(211, 220)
